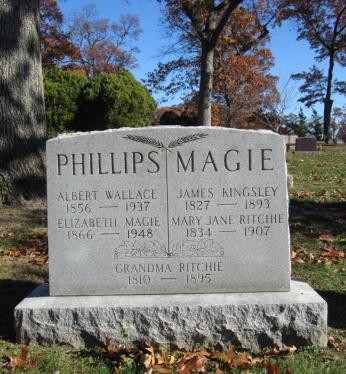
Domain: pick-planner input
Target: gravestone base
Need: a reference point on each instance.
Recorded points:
(246, 320)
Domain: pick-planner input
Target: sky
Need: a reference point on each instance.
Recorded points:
(291, 56)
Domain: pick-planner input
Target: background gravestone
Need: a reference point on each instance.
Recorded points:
(306, 145)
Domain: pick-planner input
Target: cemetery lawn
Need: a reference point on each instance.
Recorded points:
(318, 244)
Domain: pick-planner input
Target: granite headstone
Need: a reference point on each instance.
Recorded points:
(173, 210)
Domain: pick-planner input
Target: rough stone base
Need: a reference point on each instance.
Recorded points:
(246, 320)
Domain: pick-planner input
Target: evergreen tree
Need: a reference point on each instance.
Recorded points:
(316, 125)
(300, 126)
(111, 101)
(62, 93)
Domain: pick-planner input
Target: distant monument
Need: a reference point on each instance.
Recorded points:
(307, 144)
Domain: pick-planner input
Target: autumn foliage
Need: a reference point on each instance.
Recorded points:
(55, 43)
(90, 44)
(241, 82)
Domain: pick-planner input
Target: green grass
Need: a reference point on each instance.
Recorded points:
(317, 207)
(319, 177)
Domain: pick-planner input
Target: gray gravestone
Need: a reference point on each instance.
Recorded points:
(173, 210)
(170, 210)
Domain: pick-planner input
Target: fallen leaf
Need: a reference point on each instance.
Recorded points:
(331, 252)
(161, 370)
(311, 256)
(6, 234)
(221, 356)
(242, 360)
(189, 355)
(195, 363)
(291, 350)
(298, 261)
(160, 359)
(276, 351)
(149, 360)
(236, 360)
(22, 360)
(111, 350)
(325, 238)
(273, 351)
(271, 368)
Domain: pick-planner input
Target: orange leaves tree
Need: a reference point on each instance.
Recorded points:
(103, 46)
(200, 22)
(243, 84)
(323, 24)
(211, 36)
(55, 43)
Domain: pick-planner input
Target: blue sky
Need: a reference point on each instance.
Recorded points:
(290, 55)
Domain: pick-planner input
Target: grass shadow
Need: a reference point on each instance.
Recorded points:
(37, 216)
(311, 218)
(336, 308)
(12, 292)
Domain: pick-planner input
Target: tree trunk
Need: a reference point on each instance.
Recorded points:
(206, 86)
(22, 116)
(328, 102)
(228, 111)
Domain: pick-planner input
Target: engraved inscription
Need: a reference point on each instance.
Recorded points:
(169, 211)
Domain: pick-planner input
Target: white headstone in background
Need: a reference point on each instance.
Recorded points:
(167, 210)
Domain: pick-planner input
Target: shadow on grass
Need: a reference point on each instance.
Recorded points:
(312, 218)
(336, 308)
(37, 217)
(12, 292)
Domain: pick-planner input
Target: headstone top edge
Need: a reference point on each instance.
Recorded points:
(65, 136)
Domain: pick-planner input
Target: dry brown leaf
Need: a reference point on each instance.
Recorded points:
(325, 238)
(291, 350)
(219, 371)
(234, 359)
(22, 360)
(242, 360)
(298, 261)
(161, 370)
(149, 361)
(190, 355)
(195, 363)
(221, 356)
(276, 351)
(173, 359)
(273, 351)
(161, 359)
(6, 234)
(332, 252)
(311, 256)
(271, 368)
(111, 350)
